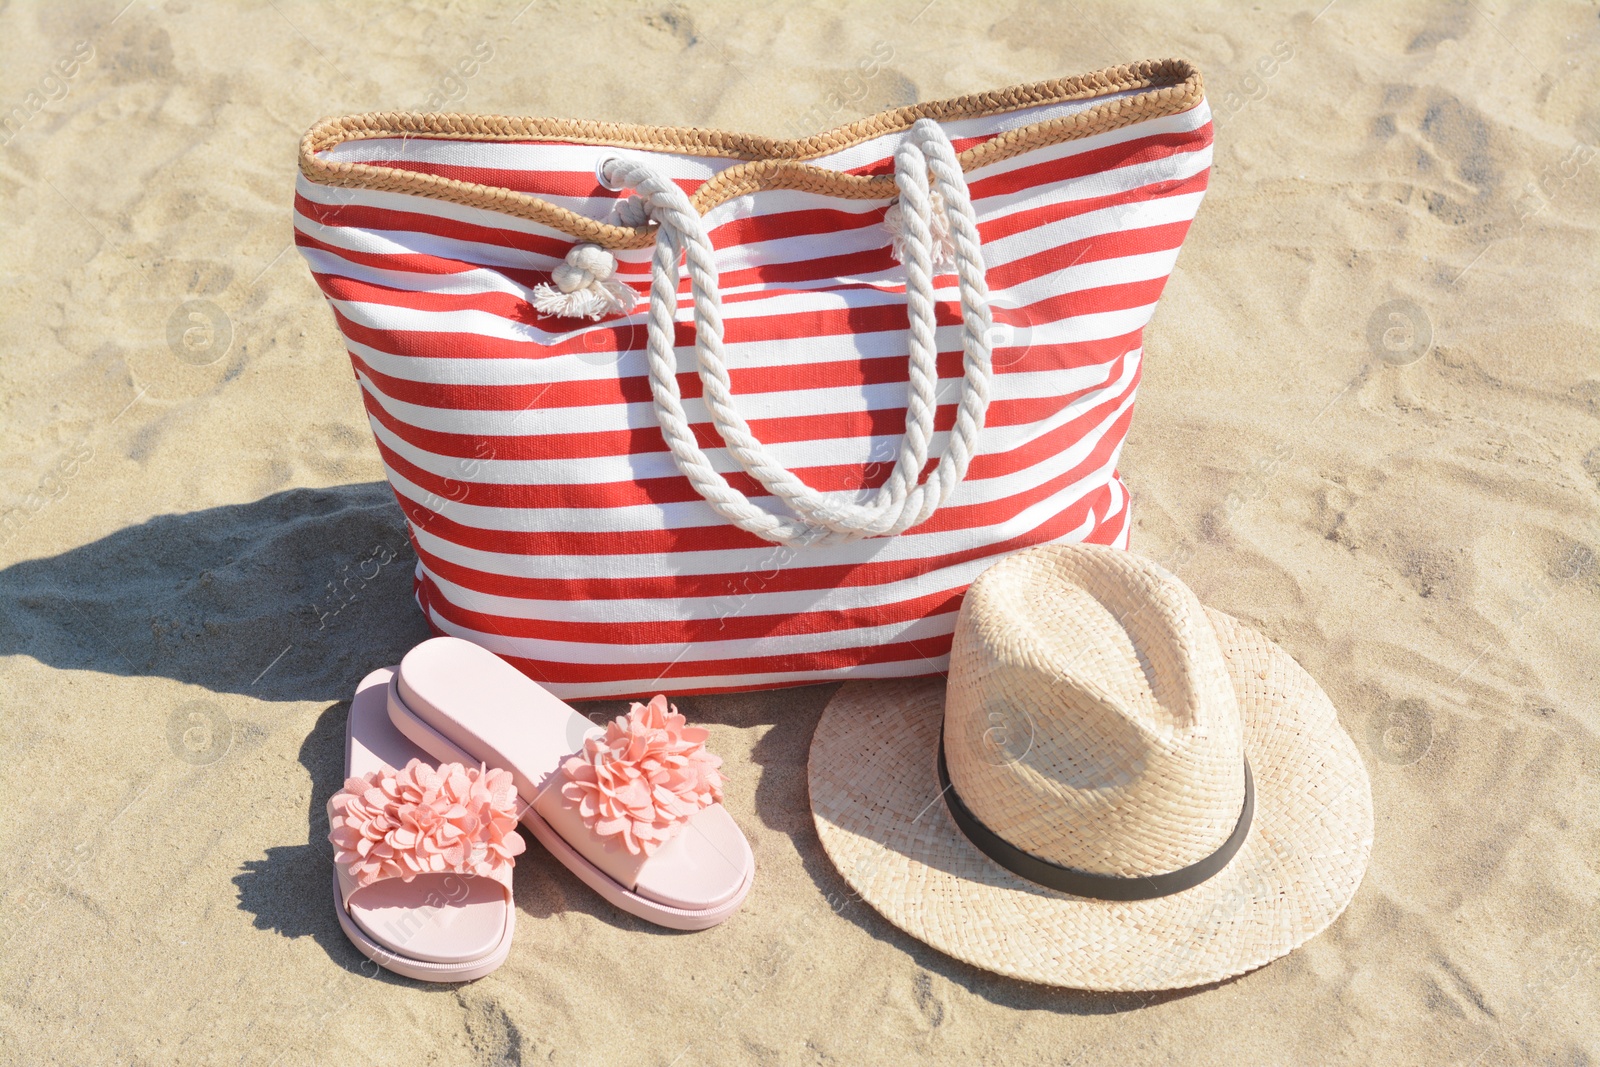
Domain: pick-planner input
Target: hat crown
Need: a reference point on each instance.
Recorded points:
(1090, 719)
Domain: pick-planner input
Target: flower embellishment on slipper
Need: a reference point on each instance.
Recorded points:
(424, 820)
(643, 778)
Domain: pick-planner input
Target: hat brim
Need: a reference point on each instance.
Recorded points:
(883, 822)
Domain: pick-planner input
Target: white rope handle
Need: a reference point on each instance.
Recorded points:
(900, 503)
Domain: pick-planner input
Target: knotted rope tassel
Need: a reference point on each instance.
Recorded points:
(586, 286)
(944, 242)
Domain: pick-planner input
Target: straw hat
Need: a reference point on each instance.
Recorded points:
(1136, 792)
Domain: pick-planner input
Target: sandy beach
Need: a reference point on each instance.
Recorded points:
(1369, 426)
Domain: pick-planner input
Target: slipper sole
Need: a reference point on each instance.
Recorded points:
(421, 970)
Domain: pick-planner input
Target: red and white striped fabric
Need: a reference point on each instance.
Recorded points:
(551, 523)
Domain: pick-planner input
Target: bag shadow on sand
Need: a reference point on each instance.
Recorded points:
(292, 597)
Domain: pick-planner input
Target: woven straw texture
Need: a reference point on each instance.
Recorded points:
(1122, 752)
(878, 811)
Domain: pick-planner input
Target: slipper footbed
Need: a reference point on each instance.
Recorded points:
(439, 918)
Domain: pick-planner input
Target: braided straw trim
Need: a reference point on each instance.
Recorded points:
(771, 163)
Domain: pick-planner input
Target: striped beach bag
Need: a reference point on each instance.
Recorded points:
(690, 411)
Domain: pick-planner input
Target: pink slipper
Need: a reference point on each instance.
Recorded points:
(422, 855)
(632, 808)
